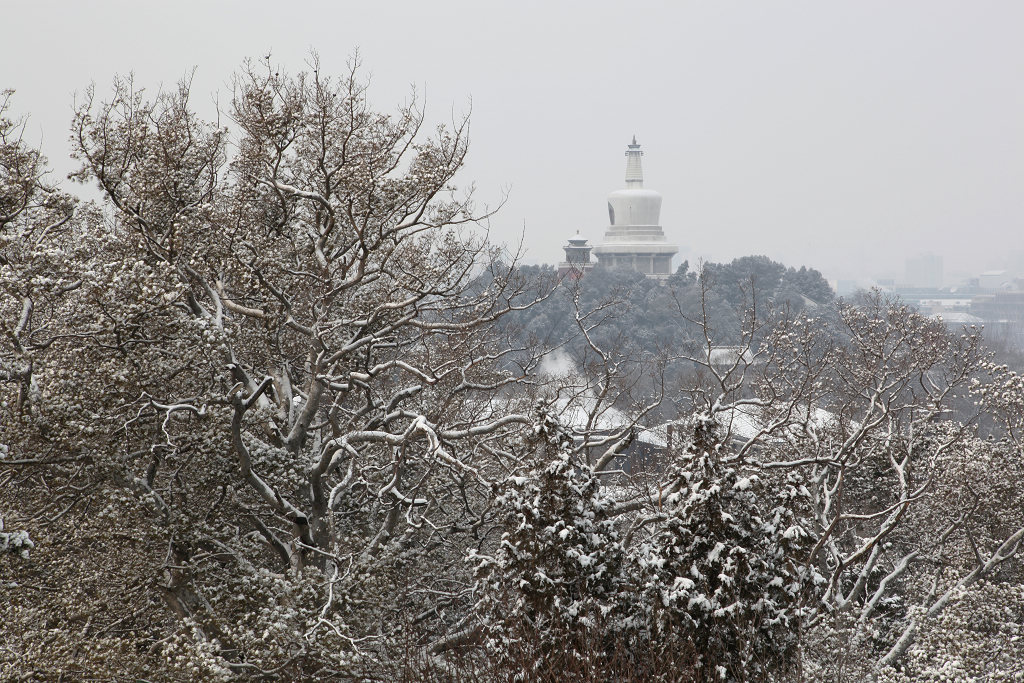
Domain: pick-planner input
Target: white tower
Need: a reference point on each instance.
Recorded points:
(634, 238)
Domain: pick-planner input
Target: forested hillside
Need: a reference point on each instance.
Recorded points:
(648, 315)
(274, 409)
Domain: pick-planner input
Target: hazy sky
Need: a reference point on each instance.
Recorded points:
(841, 135)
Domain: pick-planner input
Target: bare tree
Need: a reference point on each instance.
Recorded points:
(285, 354)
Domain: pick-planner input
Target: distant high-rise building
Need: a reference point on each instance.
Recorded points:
(634, 238)
(924, 271)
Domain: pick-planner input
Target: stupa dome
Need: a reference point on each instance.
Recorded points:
(634, 238)
(634, 206)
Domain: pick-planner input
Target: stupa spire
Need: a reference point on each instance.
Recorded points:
(634, 169)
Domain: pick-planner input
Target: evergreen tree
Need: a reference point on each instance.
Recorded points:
(553, 592)
(723, 574)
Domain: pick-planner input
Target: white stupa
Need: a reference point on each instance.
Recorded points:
(634, 238)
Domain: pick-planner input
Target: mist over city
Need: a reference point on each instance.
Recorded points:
(454, 341)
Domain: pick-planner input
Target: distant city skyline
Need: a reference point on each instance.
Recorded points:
(846, 137)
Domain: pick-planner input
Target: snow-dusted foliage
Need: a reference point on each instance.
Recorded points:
(1003, 396)
(555, 583)
(714, 583)
(15, 542)
(979, 637)
(724, 572)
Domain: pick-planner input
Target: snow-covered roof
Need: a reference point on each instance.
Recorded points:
(655, 436)
(958, 317)
(728, 355)
(576, 414)
(746, 422)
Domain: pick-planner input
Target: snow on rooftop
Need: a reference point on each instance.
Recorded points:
(958, 317)
(746, 422)
(728, 355)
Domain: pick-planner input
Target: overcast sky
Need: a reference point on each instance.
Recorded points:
(845, 136)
